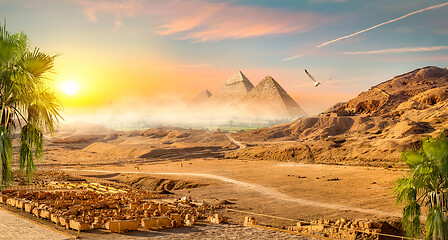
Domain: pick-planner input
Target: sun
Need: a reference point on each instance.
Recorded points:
(69, 87)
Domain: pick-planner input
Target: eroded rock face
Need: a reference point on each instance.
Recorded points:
(387, 96)
(390, 116)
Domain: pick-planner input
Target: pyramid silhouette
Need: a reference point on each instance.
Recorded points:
(233, 90)
(269, 98)
(202, 97)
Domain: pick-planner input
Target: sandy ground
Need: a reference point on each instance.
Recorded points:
(227, 232)
(297, 191)
(284, 189)
(14, 227)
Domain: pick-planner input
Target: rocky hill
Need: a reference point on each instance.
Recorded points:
(368, 129)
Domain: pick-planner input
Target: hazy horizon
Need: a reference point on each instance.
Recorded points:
(134, 57)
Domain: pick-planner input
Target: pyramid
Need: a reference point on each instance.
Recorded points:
(203, 97)
(268, 98)
(233, 90)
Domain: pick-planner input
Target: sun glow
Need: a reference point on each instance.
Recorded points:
(69, 87)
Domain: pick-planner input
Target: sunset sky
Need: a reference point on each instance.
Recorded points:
(156, 52)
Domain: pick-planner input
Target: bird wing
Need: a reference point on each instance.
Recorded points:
(309, 75)
(327, 80)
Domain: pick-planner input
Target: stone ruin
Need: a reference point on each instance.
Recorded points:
(340, 229)
(117, 211)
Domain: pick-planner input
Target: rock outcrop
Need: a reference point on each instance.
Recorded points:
(369, 129)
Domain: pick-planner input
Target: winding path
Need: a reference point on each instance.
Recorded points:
(260, 189)
(240, 145)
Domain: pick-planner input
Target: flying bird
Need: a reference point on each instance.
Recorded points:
(316, 83)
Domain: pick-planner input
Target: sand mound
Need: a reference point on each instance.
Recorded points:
(161, 184)
(87, 138)
(113, 149)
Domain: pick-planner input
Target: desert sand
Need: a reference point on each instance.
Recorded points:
(340, 164)
(200, 169)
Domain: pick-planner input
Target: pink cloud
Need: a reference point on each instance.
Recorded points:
(201, 20)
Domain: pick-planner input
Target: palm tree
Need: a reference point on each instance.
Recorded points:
(425, 184)
(25, 100)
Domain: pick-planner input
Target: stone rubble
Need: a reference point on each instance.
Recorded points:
(109, 208)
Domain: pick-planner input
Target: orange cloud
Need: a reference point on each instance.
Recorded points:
(202, 21)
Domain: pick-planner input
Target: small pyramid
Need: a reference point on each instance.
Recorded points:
(202, 97)
(233, 90)
(269, 98)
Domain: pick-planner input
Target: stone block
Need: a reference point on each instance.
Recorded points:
(79, 225)
(96, 225)
(11, 202)
(3, 199)
(45, 214)
(176, 223)
(64, 221)
(122, 225)
(189, 222)
(216, 218)
(36, 211)
(163, 208)
(250, 221)
(150, 223)
(164, 222)
(112, 206)
(29, 207)
(175, 216)
(156, 223)
(20, 203)
(54, 218)
(368, 224)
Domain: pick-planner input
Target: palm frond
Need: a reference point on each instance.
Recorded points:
(436, 225)
(413, 158)
(5, 156)
(31, 140)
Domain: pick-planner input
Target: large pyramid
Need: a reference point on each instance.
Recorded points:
(268, 98)
(233, 90)
(202, 98)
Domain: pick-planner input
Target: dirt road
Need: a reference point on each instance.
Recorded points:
(240, 145)
(256, 188)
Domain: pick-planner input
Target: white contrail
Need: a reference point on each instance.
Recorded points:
(384, 23)
(400, 50)
(293, 57)
(368, 29)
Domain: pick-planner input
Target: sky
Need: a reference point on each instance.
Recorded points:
(124, 52)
